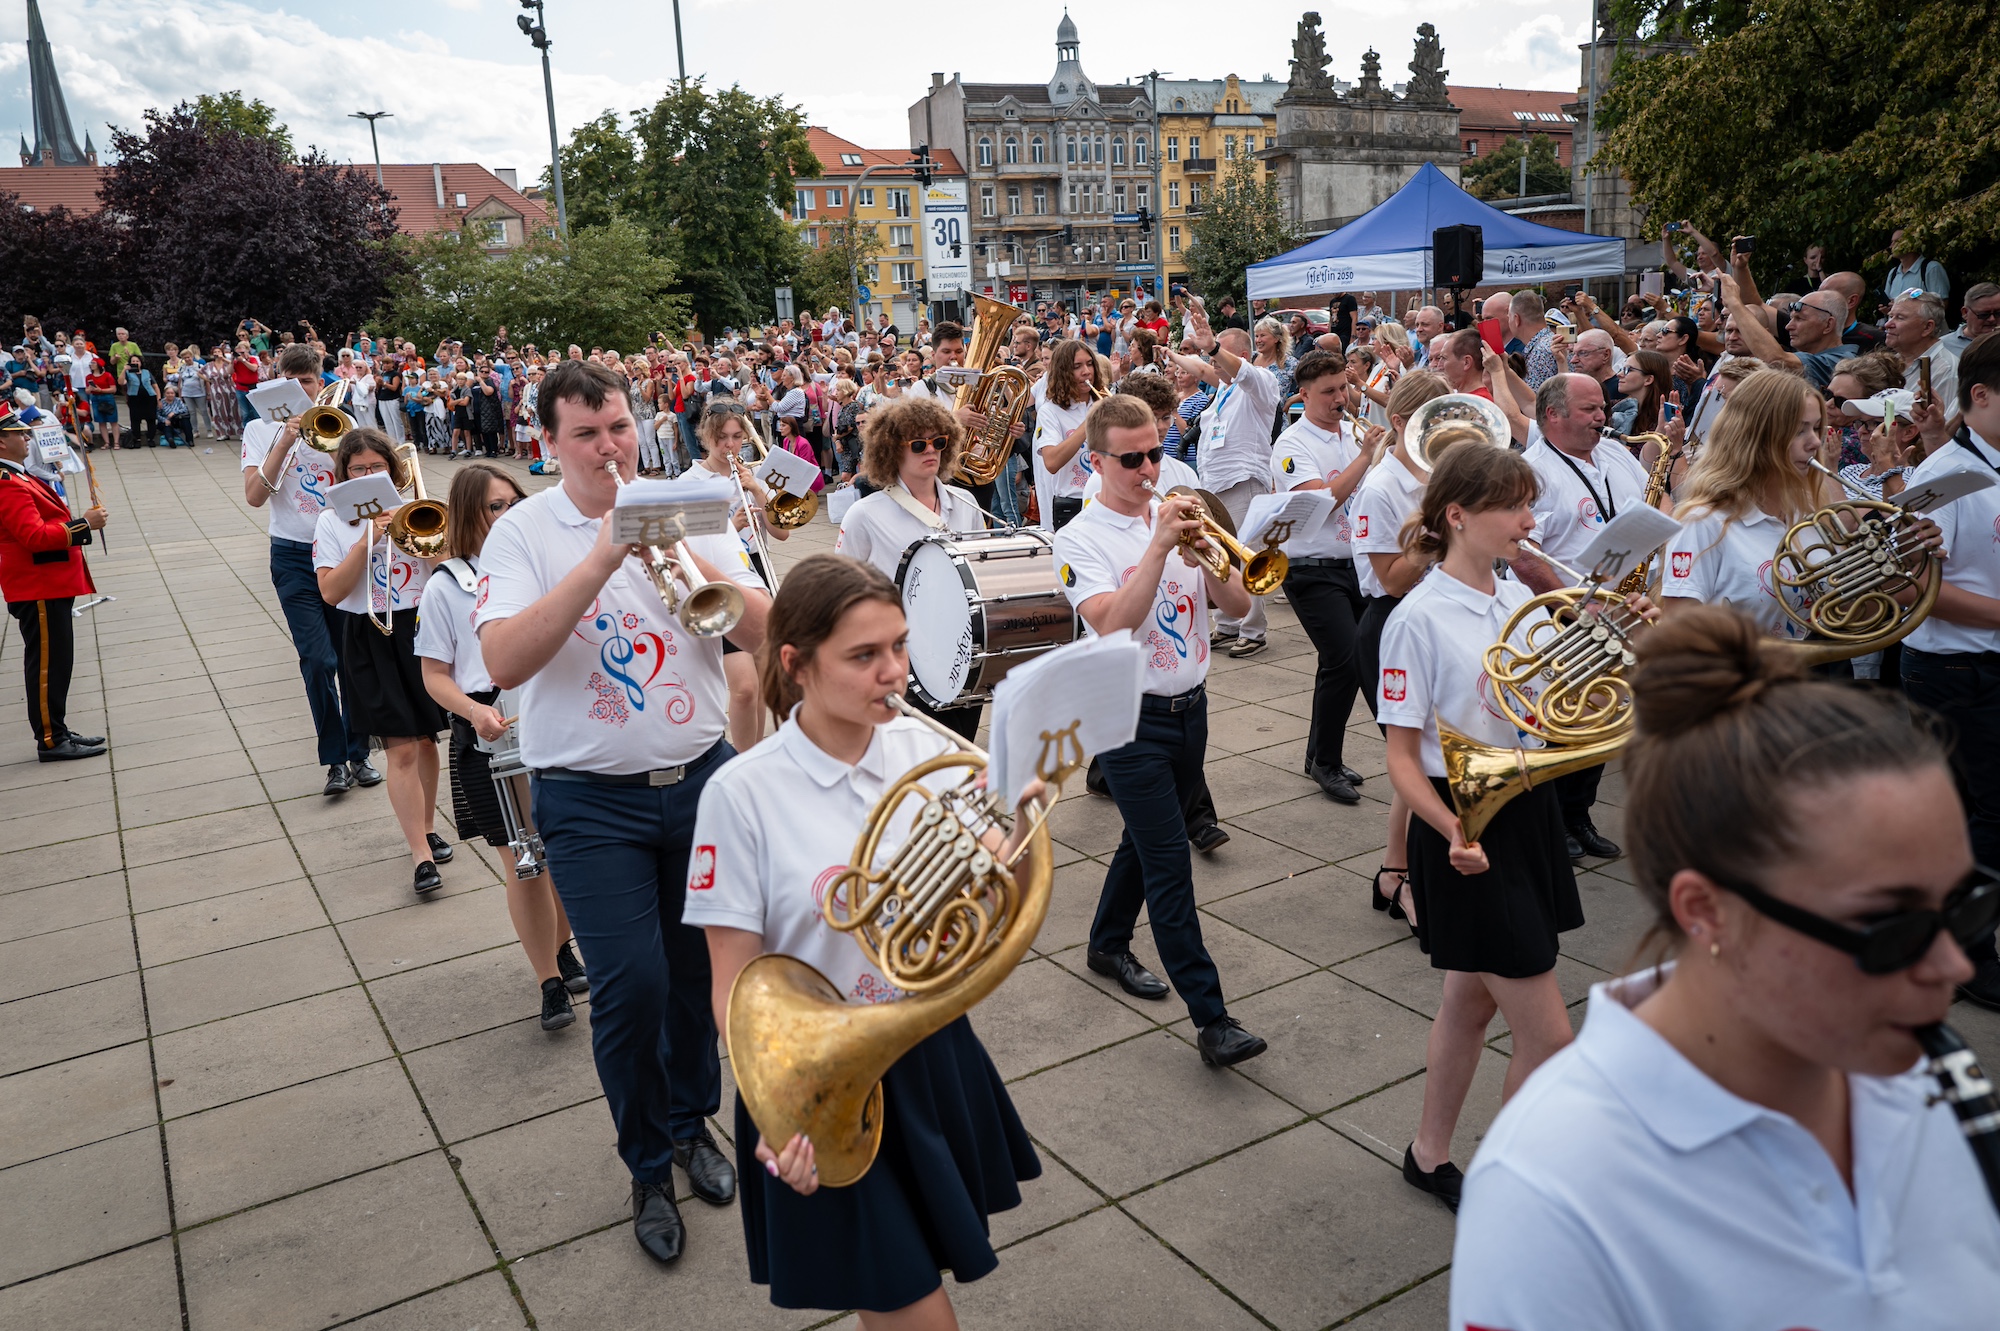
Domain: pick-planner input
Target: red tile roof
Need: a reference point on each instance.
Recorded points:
(1487, 114)
(830, 147)
(46, 188)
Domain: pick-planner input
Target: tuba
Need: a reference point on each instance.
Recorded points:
(323, 425)
(943, 918)
(1263, 570)
(1847, 561)
(1001, 394)
(1448, 419)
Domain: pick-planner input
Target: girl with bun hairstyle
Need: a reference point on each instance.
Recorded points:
(1741, 1137)
(1488, 912)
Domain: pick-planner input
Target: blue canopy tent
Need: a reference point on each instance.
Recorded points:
(1388, 248)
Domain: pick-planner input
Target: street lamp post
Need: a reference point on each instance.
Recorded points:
(538, 34)
(679, 54)
(371, 117)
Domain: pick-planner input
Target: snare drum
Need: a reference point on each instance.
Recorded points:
(978, 605)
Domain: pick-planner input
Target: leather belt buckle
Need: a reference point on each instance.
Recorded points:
(666, 776)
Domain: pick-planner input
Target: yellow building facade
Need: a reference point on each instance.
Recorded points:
(1205, 125)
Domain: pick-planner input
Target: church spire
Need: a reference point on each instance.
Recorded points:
(55, 140)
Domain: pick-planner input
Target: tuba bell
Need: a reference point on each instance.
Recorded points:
(1847, 562)
(1001, 394)
(1450, 418)
(943, 918)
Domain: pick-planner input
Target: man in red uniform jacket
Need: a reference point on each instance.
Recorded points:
(41, 574)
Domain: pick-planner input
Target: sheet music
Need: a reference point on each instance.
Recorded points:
(663, 512)
(1056, 710)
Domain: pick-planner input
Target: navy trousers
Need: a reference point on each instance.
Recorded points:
(316, 633)
(1155, 780)
(619, 856)
(1964, 689)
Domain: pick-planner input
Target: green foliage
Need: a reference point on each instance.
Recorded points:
(826, 276)
(217, 111)
(1825, 123)
(604, 286)
(1671, 20)
(1497, 175)
(1243, 223)
(600, 166)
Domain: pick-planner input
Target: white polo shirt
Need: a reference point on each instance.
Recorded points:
(1052, 425)
(1971, 528)
(1729, 560)
(1569, 512)
(630, 690)
(1944, 375)
(1387, 495)
(775, 829)
(302, 486)
(880, 531)
(396, 579)
(1173, 474)
(1099, 550)
(1433, 654)
(1622, 1190)
(1236, 444)
(1306, 453)
(445, 631)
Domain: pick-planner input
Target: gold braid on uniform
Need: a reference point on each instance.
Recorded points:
(79, 531)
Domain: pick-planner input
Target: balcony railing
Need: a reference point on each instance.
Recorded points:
(1198, 166)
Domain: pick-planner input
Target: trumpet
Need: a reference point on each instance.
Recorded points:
(323, 425)
(1263, 570)
(709, 609)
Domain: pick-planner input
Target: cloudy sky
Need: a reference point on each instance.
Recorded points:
(463, 84)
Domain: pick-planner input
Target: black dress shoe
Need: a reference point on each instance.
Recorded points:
(428, 878)
(88, 741)
(361, 774)
(70, 748)
(1593, 842)
(1443, 1183)
(1224, 1041)
(1572, 849)
(556, 1010)
(709, 1171)
(1123, 967)
(656, 1221)
(1354, 778)
(1983, 989)
(1208, 838)
(441, 850)
(570, 967)
(1336, 786)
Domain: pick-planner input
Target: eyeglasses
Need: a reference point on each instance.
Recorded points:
(922, 446)
(1982, 316)
(498, 506)
(1131, 461)
(1894, 941)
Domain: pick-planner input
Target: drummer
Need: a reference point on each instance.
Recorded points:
(906, 445)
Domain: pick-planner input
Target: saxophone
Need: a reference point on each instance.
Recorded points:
(1641, 577)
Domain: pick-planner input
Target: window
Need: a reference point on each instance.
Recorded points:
(985, 151)
(832, 198)
(850, 159)
(1014, 249)
(1270, 140)
(812, 236)
(1117, 198)
(1100, 147)
(1072, 197)
(1173, 240)
(1232, 106)
(1118, 150)
(1145, 249)
(1042, 250)
(1121, 251)
(874, 274)
(1072, 148)
(1173, 147)
(1041, 200)
(986, 201)
(1194, 194)
(1100, 198)
(866, 197)
(899, 203)
(1180, 104)
(1139, 151)
(802, 202)
(1013, 200)
(1194, 147)
(904, 275)
(902, 237)
(1472, 147)
(496, 231)
(1173, 194)
(1011, 151)
(1145, 196)
(1037, 151)
(1229, 148)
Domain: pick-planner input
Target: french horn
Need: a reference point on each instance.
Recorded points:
(1846, 563)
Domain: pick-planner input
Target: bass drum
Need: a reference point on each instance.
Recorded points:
(977, 606)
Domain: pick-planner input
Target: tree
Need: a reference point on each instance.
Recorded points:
(1497, 175)
(828, 274)
(1244, 223)
(600, 166)
(64, 269)
(218, 111)
(1826, 124)
(217, 225)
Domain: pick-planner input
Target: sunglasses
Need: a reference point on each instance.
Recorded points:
(726, 409)
(1895, 941)
(921, 446)
(1131, 461)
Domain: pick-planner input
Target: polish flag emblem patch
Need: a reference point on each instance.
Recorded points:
(1683, 563)
(703, 877)
(1395, 686)
(1361, 524)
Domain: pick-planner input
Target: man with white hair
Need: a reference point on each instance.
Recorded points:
(1591, 355)
(1429, 323)
(1913, 330)
(1982, 316)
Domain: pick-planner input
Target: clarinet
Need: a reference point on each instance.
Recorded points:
(1969, 1092)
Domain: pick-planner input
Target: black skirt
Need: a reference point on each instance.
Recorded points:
(1504, 921)
(953, 1152)
(389, 699)
(475, 805)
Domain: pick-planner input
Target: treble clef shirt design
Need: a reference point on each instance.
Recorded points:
(632, 658)
(393, 582)
(302, 485)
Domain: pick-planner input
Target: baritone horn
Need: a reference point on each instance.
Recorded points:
(1847, 562)
(1000, 394)
(785, 510)
(1449, 419)
(1263, 570)
(943, 918)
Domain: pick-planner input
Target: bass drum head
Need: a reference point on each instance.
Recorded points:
(935, 589)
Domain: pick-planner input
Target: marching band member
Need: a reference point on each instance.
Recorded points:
(293, 480)
(1320, 452)
(909, 444)
(42, 572)
(775, 827)
(622, 715)
(1122, 568)
(1754, 479)
(1585, 482)
(1488, 911)
(455, 674)
(724, 429)
(1377, 509)
(360, 571)
(1062, 399)
(1741, 1136)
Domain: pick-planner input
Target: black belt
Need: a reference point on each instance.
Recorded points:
(1179, 702)
(1955, 658)
(659, 776)
(1318, 561)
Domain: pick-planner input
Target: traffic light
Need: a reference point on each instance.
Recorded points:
(1145, 219)
(922, 292)
(923, 164)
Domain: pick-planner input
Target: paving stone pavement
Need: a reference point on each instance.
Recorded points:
(247, 1082)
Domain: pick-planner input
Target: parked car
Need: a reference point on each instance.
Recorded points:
(1316, 320)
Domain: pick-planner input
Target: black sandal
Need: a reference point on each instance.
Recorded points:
(1389, 903)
